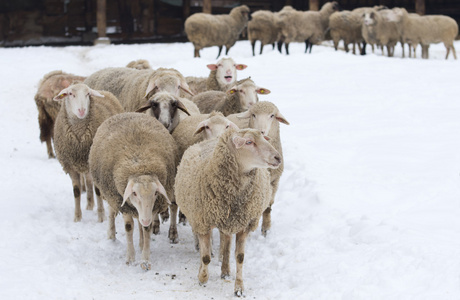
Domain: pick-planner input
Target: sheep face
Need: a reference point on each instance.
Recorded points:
(77, 99)
(254, 150)
(167, 81)
(248, 93)
(214, 127)
(226, 70)
(370, 18)
(142, 193)
(263, 121)
(163, 106)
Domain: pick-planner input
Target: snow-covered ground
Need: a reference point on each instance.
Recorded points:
(368, 206)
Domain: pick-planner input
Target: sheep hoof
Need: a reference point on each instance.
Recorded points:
(225, 276)
(173, 236)
(101, 217)
(239, 292)
(264, 232)
(77, 218)
(146, 266)
(156, 228)
(90, 206)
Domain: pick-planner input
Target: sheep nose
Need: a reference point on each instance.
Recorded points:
(81, 111)
(278, 159)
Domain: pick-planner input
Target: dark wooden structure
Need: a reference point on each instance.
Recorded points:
(79, 22)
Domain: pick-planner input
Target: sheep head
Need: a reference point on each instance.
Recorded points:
(262, 115)
(248, 92)
(226, 70)
(167, 80)
(142, 192)
(214, 126)
(163, 106)
(77, 99)
(254, 150)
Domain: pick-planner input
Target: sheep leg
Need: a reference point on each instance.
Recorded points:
(129, 228)
(273, 46)
(89, 191)
(336, 44)
(266, 220)
(220, 50)
(280, 46)
(224, 255)
(261, 47)
(173, 236)
(164, 216)
(75, 177)
(354, 48)
(182, 218)
(227, 48)
(402, 45)
(253, 45)
(49, 148)
(83, 183)
(100, 205)
(141, 234)
(156, 224)
(147, 231)
(197, 52)
(306, 46)
(286, 46)
(239, 256)
(111, 230)
(345, 44)
(363, 51)
(46, 125)
(204, 241)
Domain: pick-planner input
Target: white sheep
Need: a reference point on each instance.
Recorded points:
(265, 117)
(82, 111)
(222, 75)
(237, 99)
(305, 26)
(133, 162)
(264, 28)
(346, 25)
(206, 30)
(48, 88)
(223, 183)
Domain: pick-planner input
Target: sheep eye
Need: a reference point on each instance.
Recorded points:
(154, 104)
(135, 194)
(226, 127)
(254, 116)
(206, 127)
(272, 116)
(249, 143)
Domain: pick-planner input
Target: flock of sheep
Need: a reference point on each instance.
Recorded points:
(152, 141)
(365, 25)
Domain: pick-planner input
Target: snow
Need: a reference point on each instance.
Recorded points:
(368, 205)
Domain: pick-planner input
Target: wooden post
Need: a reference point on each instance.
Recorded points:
(207, 6)
(186, 9)
(420, 7)
(314, 5)
(101, 23)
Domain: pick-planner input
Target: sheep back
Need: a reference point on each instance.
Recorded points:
(137, 145)
(73, 142)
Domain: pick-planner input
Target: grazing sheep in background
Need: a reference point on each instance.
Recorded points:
(346, 25)
(137, 178)
(440, 29)
(166, 108)
(265, 117)
(48, 88)
(82, 111)
(132, 87)
(412, 27)
(140, 64)
(360, 11)
(206, 30)
(224, 183)
(264, 28)
(237, 99)
(377, 29)
(222, 75)
(306, 26)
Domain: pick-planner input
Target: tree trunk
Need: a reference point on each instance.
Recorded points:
(420, 7)
(314, 5)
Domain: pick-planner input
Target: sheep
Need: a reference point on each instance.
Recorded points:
(222, 75)
(206, 30)
(265, 116)
(48, 88)
(140, 64)
(360, 11)
(346, 25)
(82, 111)
(425, 30)
(224, 183)
(264, 28)
(137, 178)
(132, 86)
(306, 26)
(237, 99)
(378, 29)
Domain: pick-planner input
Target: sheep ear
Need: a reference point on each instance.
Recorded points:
(244, 115)
(95, 93)
(182, 107)
(212, 67)
(281, 119)
(184, 86)
(128, 191)
(262, 91)
(161, 190)
(62, 94)
(144, 107)
(241, 67)
(150, 88)
(267, 138)
(238, 141)
(232, 91)
(200, 127)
